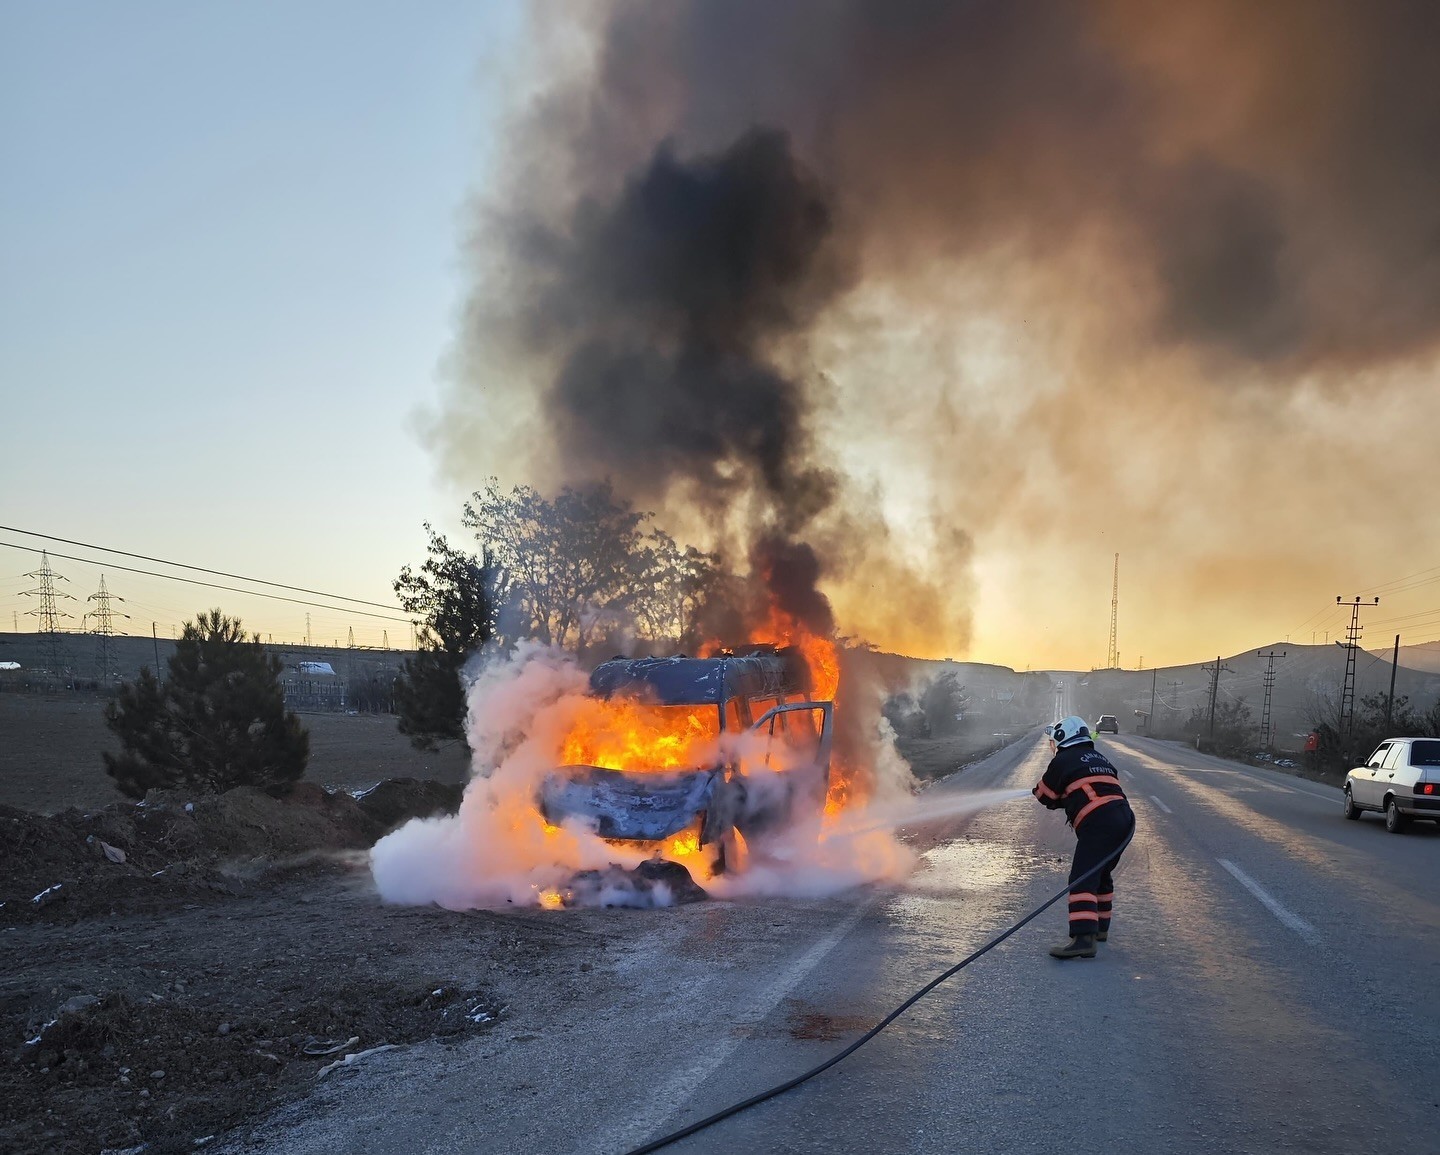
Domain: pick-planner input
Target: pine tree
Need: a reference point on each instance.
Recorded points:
(219, 720)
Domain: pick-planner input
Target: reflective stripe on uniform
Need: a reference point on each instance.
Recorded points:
(1088, 782)
(1095, 804)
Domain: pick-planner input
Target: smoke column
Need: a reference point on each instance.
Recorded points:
(891, 279)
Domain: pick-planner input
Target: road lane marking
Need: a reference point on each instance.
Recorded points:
(1270, 903)
(1161, 805)
(1263, 785)
(670, 1099)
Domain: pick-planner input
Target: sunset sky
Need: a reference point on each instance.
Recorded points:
(270, 299)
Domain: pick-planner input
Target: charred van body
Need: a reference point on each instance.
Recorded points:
(771, 762)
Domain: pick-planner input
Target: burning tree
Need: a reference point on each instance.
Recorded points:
(217, 722)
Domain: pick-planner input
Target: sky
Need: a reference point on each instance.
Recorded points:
(230, 238)
(243, 248)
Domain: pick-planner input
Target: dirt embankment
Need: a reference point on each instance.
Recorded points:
(171, 969)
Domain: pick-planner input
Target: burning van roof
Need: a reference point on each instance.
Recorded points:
(682, 681)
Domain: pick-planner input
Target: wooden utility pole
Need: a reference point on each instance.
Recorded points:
(1390, 701)
(1150, 721)
(1215, 671)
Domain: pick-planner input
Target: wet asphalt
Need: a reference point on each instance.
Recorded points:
(1270, 985)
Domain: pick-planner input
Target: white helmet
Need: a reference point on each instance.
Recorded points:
(1069, 731)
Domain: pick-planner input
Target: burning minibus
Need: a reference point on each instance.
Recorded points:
(699, 759)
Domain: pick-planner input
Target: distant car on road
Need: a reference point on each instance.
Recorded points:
(1108, 724)
(1401, 780)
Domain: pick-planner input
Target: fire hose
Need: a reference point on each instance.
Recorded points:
(791, 1084)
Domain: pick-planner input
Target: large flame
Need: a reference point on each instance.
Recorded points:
(628, 734)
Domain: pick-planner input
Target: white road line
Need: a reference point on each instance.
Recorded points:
(1161, 805)
(1268, 901)
(669, 1099)
(1260, 782)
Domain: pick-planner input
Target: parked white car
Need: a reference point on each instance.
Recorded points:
(1401, 780)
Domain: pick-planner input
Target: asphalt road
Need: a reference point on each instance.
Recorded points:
(1270, 984)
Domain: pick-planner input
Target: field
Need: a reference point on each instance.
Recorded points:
(50, 749)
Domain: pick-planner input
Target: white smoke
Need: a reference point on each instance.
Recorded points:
(498, 848)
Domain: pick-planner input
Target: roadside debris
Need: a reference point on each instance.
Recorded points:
(317, 1048)
(351, 1060)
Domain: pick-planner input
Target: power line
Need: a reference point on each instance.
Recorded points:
(215, 586)
(196, 569)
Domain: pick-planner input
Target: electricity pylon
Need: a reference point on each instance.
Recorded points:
(48, 612)
(104, 629)
(1112, 658)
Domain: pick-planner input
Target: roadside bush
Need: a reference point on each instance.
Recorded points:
(217, 722)
(1234, 729)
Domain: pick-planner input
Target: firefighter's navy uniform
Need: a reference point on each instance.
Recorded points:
(1081, 781)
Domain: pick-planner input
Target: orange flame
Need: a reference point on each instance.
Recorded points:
(626, 734)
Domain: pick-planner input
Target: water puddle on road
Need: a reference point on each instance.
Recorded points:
(957, 871)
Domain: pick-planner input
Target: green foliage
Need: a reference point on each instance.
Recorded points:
(455, 595)
(218, 721)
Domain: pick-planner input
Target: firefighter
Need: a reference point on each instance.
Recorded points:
(1081, 781)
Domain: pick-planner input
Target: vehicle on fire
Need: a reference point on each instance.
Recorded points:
(763, 742)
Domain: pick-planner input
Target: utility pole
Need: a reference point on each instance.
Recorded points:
(1172, 696)
(155, 641)
(1352, 645)
(1112, 658)
(1150, 721)
(48, 613)
(1215, 671)
(104, 630)
(1265, 726)
(1394, 664)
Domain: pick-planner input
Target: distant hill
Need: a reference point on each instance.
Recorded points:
(1305, 675)
(1424, 656)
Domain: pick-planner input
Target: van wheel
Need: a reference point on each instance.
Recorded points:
(1395, 822)
(1352, 811)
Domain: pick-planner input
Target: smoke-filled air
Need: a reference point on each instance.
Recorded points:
(966, 297)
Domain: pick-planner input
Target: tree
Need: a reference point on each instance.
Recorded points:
(943, 702)
(219, 720)
(1234, 727)
(455, 595)
(584, 566)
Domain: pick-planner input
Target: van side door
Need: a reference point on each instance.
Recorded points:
(818, 729)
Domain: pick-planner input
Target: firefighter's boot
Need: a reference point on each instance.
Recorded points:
(1081, 946)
